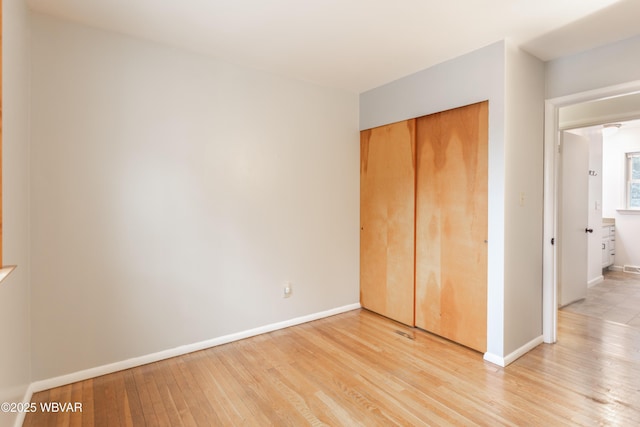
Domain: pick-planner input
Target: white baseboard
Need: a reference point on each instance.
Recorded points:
(595, 281)
(26, 399)
(511, 357)
(178, 351)
(634, 269)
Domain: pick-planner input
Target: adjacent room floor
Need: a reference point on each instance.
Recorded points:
(616, 299)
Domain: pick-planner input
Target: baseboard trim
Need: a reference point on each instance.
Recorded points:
(179, 351)
(634, 269)
(26, 399)
(595, 281)
(511, 357)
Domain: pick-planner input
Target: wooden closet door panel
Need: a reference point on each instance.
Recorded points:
(387, 220)
(451, 224)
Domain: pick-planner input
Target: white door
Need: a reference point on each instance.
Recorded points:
(573, 214)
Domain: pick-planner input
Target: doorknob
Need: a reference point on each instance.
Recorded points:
(588, 230)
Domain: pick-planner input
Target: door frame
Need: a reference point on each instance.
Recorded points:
(551, 163)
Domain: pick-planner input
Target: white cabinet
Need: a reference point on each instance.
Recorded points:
(605, 252)
(608, 245)
(612, 244)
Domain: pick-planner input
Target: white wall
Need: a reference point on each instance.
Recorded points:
(15, 353)
(471, 78)
(524, 118)
(594, 263)
(172, 195)
(609, 65)
(613, 169)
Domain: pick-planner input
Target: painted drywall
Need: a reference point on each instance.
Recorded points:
(594, 248)
(471, 78)
(172, 196)
(609, 65)
(626, 140)
(15, 350)
(523, 163)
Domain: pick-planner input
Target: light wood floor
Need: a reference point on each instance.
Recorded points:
(358, 368)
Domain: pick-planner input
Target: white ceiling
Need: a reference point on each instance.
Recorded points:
(356, 44)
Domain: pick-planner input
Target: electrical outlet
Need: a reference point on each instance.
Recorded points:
(287, 290)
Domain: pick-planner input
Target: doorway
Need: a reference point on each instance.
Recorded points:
(611, 288)
(551, 197)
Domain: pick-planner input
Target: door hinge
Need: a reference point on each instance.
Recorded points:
(553, 240)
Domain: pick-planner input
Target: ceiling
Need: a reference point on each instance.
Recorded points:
(356, 45)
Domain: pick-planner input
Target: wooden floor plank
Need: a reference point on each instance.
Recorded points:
(88, 410)
(191, 414)
(221, 390)
(153, 383)
(148, 412)
(76, 396)
(107, 408)
(133, 398)
(172, 392)
(359, 368)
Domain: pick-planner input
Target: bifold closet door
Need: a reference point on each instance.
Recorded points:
(387, 220)
(451, 224)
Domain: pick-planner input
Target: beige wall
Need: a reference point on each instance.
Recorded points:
(15, 353)
(173, 195)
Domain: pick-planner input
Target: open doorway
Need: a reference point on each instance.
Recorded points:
(600, 284)
(606, 105)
